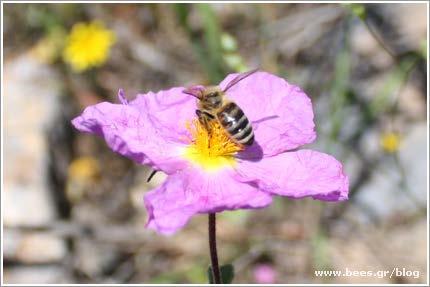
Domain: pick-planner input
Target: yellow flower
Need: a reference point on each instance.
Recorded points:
(390, 142)
(82, 174)
(84, 168)
(88, 45)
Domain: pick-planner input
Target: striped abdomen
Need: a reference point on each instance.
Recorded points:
(236, 123)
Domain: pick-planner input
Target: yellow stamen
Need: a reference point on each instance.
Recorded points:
(211, 148)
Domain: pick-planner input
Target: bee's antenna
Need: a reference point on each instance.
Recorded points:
(195, 91)
(239, 78)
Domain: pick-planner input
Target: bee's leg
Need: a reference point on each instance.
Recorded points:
(204, 118)
(199, 114)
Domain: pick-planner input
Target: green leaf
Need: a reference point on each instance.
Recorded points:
(182, 11)
(210, 275)
(319, 243)
(357, 9)
(228, 43)
(423, 49)
(212, 37)
(227, 274)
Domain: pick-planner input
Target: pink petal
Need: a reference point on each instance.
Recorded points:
(169, 110)
(128, 131)
(190, 191)
(264, 274)
(298, 174)
(281, 113)
(122, 98)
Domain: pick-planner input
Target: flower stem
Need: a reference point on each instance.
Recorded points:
(212, 247)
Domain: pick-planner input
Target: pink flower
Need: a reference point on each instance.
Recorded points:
(160, 130)
(264, 274)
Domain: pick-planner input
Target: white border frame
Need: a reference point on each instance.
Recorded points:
(120, 2)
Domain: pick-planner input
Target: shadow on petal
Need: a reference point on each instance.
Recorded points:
(252, 153)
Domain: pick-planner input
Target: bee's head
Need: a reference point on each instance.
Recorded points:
(212, 97)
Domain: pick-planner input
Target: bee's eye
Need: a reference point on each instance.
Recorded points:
(213, 94)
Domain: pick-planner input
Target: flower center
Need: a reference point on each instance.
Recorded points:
(211, 148)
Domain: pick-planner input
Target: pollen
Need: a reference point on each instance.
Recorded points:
(211, 147)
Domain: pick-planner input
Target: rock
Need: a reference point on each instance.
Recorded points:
(87, 213)
(30, 98)
(34, 247)
(36, 275)
(382, 196)
(353, 255)
(412, 156)
(141, 186)
(26, 206)
(365, 45)
(412, 103)
(398, 190)
(413, 33)
(353, 164)
(92, 258)
(370, 143)
(407, 248)
(11, 240)
(41, 248)
(362, 40)
(369, 250)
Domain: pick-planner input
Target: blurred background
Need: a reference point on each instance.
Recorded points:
(72, 209)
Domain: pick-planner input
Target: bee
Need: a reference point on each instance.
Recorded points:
(213, 105)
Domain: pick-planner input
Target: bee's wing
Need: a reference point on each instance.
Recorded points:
(239, 78)
(195, 91)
